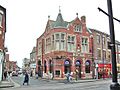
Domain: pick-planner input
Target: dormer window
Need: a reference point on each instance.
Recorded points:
(78, 28)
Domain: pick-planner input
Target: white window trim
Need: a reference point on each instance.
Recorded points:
(60, 41)
(99, 38)
(80, 29)
(74, 49)
(88, 44)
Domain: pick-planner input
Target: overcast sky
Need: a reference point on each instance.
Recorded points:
(26, 20)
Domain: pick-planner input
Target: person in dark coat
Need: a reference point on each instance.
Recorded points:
(26, 79)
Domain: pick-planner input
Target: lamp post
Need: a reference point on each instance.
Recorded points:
(114, 85)
(103, 57)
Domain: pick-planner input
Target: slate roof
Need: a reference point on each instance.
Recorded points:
(59, 23)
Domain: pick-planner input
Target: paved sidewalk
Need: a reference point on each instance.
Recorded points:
(81, 80)
(73, 81)
(6, 84)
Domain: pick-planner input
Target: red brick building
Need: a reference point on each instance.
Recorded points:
(10, 65)
(65, 47)
(2, 27)
(2, 38)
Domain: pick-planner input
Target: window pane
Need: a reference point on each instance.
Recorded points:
(84, 44)
(0, 19)
(62, 36)
(98, 39)
(69, 48)
(68, 38)
(57, 45)
(57, 36)
(73, 39)
(53, 37)
(62, 45)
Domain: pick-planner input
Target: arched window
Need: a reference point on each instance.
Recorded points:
(66, 66)
(77, 63)
(87, 66)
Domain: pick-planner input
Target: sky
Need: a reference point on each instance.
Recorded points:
(27, 19)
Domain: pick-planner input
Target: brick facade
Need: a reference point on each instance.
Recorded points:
(62, 48)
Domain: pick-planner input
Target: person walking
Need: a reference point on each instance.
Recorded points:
(26, 79)
(5, 75)
(68, 77)
(76, 74)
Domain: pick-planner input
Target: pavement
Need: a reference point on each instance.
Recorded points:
(81, 80)
(6, 83)
(74, 81)
(10, 83)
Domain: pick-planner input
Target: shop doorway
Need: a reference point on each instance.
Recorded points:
(45, 67)
(67, 66)
(78, 68)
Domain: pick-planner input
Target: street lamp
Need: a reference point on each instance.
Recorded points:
(115, 85)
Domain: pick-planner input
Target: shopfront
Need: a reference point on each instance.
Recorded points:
(104, 70)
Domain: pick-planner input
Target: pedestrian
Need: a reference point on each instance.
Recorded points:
(36, 75)
(5, 75)
(26, 79)
(68, 76)
(76, 74)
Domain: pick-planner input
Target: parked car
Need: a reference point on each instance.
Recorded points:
(14, 73)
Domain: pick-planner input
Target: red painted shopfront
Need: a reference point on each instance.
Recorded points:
(104, 70)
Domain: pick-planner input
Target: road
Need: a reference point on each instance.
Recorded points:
(42, 84)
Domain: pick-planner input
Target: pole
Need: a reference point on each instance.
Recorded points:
(114, 85)
(93, 73)
(103, 59)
